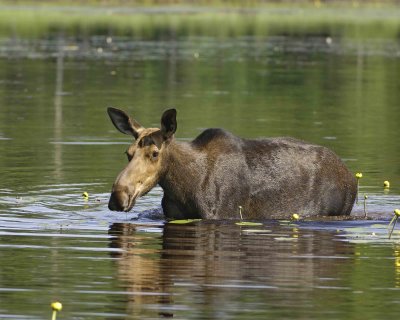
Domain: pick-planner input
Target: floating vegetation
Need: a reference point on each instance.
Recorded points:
(248, 223)
(183, 221)
(257, 231)
(295, 217)
(56, 306)
(386, 184)
(369, 233)
(240, 212)
(358, 176)
(365, 205)
(393, 221)
(285, 239)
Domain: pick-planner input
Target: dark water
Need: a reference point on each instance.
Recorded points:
(57, 142)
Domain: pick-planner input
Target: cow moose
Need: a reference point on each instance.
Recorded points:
(218, 172)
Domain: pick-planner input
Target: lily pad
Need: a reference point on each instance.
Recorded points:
(376, 233)
(184, 221)
(256, 230)
(248, 223)
(285, 239)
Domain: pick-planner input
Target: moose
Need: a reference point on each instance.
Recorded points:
(217, 173)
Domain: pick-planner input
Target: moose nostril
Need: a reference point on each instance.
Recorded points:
(118, 201)
(112, 204)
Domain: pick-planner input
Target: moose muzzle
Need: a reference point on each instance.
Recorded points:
(122, 200)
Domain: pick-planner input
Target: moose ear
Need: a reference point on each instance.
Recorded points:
(124, 123)
(168, 123)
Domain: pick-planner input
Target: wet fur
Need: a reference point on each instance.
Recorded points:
(217, 172)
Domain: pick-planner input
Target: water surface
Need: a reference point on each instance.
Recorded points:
(56, 142)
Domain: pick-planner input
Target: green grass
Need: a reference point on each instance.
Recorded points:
(225, 3)
(84, 21)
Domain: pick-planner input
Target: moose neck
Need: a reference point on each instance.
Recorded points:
(181, 165)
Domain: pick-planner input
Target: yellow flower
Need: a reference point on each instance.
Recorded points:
(358, 175)
(295, 216)
(397, 212)
(56, 306)
(386, 184)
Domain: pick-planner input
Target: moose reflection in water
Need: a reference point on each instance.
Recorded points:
(216, 265)
(217, 172)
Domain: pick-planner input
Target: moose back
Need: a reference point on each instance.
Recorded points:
(218, 172)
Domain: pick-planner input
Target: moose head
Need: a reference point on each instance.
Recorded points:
(145, 156)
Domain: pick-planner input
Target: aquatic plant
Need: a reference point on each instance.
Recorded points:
(295, 217)
(365, 205)
(56, 306)
(248, 223)
(358, 176)
(393, 221)
(184, 221)
(386, 184)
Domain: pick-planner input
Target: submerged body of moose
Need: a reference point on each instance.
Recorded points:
(217, 172)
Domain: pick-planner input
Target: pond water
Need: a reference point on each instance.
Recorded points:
(56, 142)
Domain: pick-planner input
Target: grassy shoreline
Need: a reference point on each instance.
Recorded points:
(207, 3)
(159, 22)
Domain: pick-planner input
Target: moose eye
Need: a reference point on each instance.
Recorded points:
(154, 154)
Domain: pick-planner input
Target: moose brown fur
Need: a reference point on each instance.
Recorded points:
(217, 172)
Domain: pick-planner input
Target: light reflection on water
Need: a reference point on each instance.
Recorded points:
(238, 49)
(147, 269)
(56, 143)
(213, 269)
